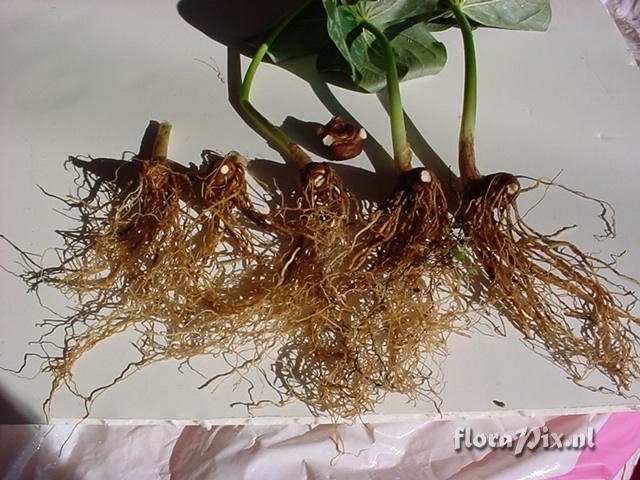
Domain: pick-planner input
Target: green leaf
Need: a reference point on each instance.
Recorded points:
(532, 15)
(510, 14)
(417, 52)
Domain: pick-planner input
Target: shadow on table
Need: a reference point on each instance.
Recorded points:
(228, 22)
(11, 413)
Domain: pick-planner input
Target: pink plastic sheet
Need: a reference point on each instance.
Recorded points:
(420, 450)
(626, 13)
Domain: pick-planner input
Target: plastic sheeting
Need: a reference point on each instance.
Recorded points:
(418, 450)
(626, 13)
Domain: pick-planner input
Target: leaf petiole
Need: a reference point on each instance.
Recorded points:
(466, 153)
(401, 148)
(272, 134)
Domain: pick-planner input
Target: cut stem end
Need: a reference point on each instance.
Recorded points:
(161, 144)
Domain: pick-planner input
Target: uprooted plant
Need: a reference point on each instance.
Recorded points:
(572, 303)
(376, 303)
(178, 255)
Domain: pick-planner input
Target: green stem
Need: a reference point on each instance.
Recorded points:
(466, 154)
(272, 134)
(401, 149)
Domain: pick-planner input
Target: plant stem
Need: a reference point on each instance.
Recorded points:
(272, 134)
(401, 149)
(161, 143)
(466, 153)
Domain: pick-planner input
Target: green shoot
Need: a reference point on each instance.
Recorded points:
(401, 149)
(466, 154)
(272, 134)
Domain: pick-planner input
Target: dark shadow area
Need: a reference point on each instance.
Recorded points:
(231, 21)
(224, 21)
(11, 413)
(304, 133)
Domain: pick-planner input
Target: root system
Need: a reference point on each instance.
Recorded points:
(571, 303)
(376, 318)
(349, 303)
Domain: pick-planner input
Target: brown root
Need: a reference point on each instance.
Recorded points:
(318, 227)
(355, 302)
(177, 256)
(315, 291)
(125, 224)
(411, 250)
(573, 304)
(379, 318)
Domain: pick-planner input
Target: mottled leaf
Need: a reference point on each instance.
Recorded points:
(417, 52)
(511, 14)
(508, 14)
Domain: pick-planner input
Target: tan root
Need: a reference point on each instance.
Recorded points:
(177, 256)
(377, 318)
(573, 304)
(349, 302)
